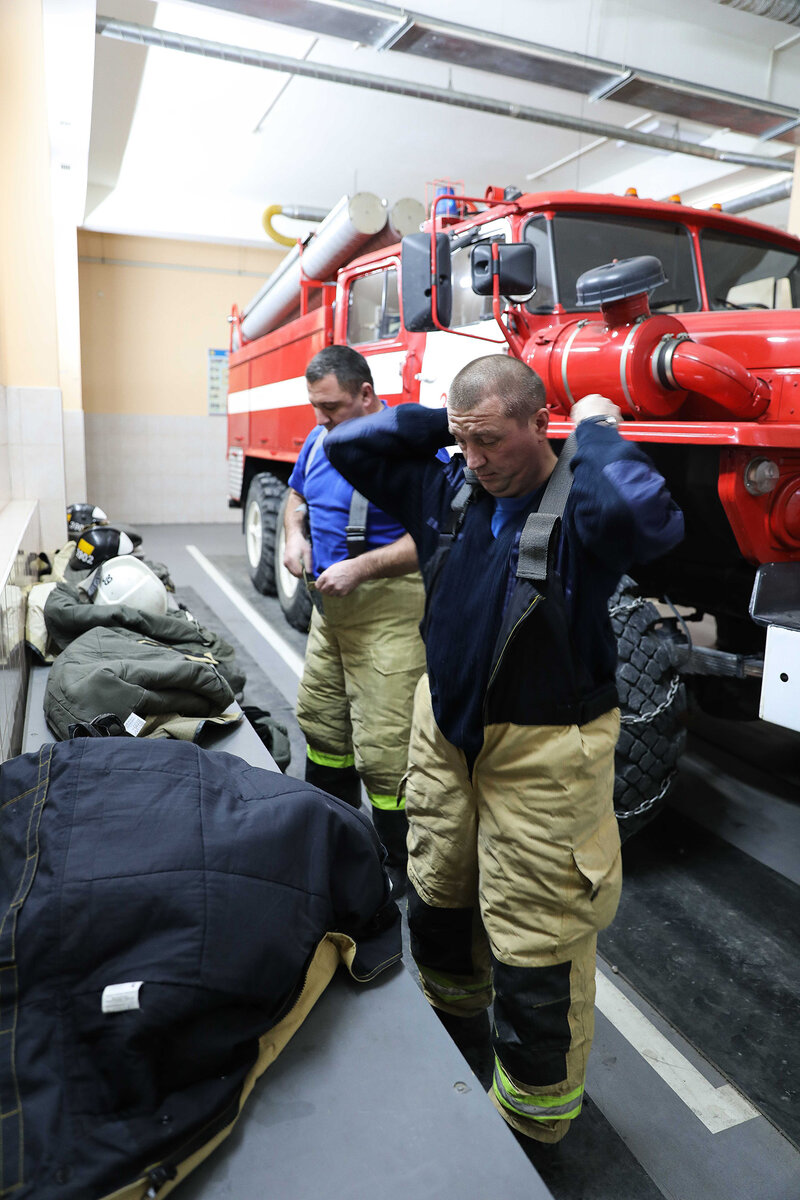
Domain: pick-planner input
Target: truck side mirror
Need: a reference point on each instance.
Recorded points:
(516, 267)
(415, 263)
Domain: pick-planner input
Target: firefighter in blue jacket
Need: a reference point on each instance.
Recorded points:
(364, 654)
(514, 854)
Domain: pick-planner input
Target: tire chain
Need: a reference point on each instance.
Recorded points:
(648, 804)
(649, 742)
(648, 717)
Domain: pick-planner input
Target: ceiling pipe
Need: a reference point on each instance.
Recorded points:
(568, 158)
(144, 35)
(767, 195)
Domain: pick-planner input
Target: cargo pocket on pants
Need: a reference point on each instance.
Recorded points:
(598, 862)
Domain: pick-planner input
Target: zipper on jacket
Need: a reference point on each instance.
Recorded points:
(501, 655)
(157, 1178)
(165, 1171)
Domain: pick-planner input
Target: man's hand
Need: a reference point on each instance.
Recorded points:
(384, 562)
(595, 406)
(297, 555)
(297, 548)
(341, 578)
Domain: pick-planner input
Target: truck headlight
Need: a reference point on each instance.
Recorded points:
(760, 476)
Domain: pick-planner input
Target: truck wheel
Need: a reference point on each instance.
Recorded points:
(261, 510)
(652, 705)
(291, 591)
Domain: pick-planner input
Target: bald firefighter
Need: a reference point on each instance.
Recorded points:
(514, 853)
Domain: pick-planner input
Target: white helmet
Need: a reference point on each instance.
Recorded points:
(127, 580)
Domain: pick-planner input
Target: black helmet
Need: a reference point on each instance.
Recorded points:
(83, 516)
(97, 545)
(133, 534)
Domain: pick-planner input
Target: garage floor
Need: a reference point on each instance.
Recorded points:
(695, 1073)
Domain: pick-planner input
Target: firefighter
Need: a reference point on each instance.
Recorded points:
(364, 653)
(514, 855)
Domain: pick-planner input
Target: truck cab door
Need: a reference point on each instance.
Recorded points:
(373, 327)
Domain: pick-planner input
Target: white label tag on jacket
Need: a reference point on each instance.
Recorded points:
(134, 724)
(120, 997)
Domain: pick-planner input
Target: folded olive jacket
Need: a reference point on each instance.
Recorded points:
(68, 613)
(154, 689)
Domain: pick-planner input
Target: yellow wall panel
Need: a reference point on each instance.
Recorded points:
(151, 308)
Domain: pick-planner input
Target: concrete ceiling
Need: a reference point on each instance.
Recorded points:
(191, 147)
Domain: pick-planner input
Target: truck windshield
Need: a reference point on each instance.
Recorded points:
(583, 241)
(747, 273)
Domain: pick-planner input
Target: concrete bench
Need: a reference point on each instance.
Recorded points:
(370, 1098)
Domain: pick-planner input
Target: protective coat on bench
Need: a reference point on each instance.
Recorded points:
(168, 916)
(172, 689)
(69, 613)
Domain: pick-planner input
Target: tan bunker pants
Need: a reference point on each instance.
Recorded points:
(364, 657)
(515, 870)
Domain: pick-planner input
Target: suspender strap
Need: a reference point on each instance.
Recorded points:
(356, 528)
(538, 544)
(312, 454)
(458, 510)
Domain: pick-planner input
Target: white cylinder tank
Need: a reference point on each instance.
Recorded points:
(353, 222)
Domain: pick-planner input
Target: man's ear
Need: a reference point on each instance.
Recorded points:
(368, 393)
(539, 422)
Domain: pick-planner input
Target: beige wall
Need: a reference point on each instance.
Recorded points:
(150, 310)
(31, 457)
(28, 333)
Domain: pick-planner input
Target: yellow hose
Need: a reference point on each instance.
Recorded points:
(271, 211)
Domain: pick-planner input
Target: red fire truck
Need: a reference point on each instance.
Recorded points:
(687, 319)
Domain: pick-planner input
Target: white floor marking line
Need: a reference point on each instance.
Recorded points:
(293, 660)
(717, 1107)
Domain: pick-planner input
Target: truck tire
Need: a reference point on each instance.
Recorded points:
(261, 511)
(292, 592)
(652, 706)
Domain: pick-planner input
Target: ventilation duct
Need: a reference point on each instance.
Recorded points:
(767, 195)
(142, 34)
(777, 10)
(385, 27)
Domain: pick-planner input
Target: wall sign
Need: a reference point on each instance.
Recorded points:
(217, 382)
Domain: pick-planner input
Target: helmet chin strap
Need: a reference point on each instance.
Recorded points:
(89, 584)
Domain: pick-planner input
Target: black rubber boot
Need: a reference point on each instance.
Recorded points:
(342, 782)
(391, 826)
(472, 1035)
